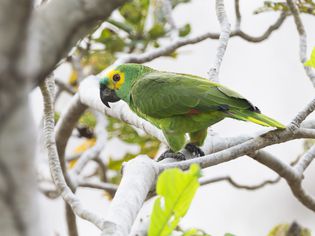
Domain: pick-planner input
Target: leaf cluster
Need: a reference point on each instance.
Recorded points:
(131, 30)
(305, 6)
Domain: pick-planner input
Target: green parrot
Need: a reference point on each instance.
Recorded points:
(178, 104)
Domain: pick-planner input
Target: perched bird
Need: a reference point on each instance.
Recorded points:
(178, 104)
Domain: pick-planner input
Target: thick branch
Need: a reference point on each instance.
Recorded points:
(130, 196)
(89, 95)
(247, 147)
(56, 27)
(14, 17)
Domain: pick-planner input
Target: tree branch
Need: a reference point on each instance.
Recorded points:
(131, 194)
(265, 35)
(64, 86)
(55, 28)
(13, 32)
(303, 39)
(247, 147)
(111, 188)
(223, 39)
(119, 110)
(207, 180)
(237, 15)
(305, 161)
(101, 138)
(64, 128)
(47, 88)
(301, 116)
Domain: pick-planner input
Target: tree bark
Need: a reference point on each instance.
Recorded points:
(18, 193)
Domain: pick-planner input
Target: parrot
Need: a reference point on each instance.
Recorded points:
(178, 104)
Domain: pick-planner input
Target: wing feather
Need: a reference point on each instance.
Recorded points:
(163, 94)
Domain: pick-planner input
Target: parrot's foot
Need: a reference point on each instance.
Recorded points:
(195, 150)
(170, 154)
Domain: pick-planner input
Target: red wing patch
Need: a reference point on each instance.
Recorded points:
(193, 111)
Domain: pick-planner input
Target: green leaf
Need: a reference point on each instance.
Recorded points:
(177, 2)
(114, 164)
(176, 190)
(311, 62)
(135, 12)
(289, 229)
(123, 26)
(156, 31)
(305, 6)
(98, 60)
(195, 232)
(112, 41)
(156, 44)
(185, 30)
(88, 120)
(56, 116)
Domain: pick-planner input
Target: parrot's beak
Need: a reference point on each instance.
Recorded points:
(108, 95)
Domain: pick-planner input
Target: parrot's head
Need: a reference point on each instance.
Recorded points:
(116, 84)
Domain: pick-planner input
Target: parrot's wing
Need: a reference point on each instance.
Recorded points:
(162, 94)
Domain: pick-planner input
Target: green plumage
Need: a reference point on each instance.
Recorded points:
(181, 103)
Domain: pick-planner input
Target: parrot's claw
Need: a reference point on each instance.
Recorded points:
(195, 150)
(170, 154)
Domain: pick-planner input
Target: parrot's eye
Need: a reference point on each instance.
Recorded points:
(116, 77)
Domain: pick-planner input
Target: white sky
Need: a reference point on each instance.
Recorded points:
(270, 75)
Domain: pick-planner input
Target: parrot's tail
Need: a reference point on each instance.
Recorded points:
(255, 117)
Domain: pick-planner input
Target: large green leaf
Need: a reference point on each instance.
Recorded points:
(176, 190)
(311, 62)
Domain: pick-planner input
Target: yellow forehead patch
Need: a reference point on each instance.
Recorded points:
(115, 84)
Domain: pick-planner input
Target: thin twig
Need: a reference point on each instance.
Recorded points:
(207, 180)
(64, 128)
(238, 15)
(64, 87)
(305, 161)
(111, 188)
(263, 36)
